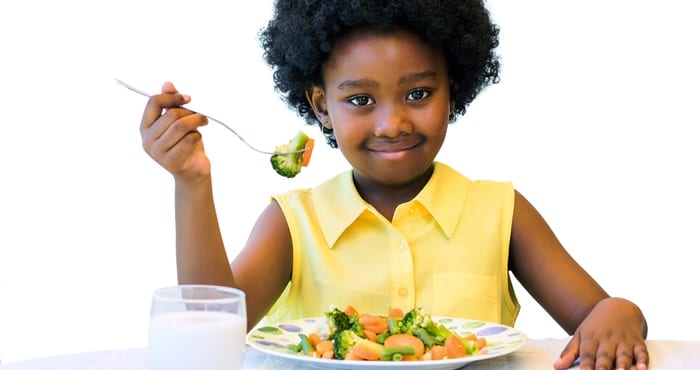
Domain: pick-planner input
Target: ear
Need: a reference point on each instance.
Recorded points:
(317, 99)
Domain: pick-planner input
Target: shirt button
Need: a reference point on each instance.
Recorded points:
(403, 292)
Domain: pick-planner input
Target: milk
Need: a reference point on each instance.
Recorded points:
(196, 340)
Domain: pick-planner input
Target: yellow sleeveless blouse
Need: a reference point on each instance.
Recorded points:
(446, 250)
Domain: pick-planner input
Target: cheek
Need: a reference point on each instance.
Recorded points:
(348, 134)
(434, 121)
(348, 126)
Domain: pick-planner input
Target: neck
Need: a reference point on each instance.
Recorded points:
(385, 198)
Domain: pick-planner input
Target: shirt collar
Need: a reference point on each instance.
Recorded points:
(444, 196)
(338, 203)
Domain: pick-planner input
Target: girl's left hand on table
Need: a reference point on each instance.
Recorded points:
(611, 337)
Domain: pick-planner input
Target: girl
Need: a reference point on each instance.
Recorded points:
(383, 80)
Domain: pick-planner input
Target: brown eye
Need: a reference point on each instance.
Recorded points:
(361, 100)
(418, 94)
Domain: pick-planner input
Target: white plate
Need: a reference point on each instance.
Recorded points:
(273, 340)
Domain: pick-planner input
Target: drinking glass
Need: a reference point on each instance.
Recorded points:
(199, 327)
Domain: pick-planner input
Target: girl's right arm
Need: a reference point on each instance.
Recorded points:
(170, 136)
(263, 268)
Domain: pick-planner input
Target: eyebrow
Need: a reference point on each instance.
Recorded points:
(414, 77)
(357, 83)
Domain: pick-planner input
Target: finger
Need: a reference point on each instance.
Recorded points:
(641, 356)
(589, 353)
(178, 158)
(623, 357)
(568, 355)
(180, 129)
(169, 98)
(158, 128)
(604, 357)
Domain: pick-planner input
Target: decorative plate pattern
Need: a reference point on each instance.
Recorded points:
(273, 340)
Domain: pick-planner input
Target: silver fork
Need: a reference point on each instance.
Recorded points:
(141, 92)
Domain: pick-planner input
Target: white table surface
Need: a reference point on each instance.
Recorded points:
(535, 354)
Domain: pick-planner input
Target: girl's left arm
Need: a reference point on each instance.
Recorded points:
(606, 332)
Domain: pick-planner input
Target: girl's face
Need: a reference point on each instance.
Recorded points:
(386, 97)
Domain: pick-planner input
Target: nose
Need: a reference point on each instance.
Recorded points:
(392, 121)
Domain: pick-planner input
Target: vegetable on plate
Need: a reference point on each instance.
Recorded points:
(413, 336)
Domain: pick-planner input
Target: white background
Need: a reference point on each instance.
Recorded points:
(594, 121)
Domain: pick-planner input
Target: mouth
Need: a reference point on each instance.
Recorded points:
(395, 149)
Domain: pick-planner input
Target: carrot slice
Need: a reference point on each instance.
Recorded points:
(438, 352)
(363, 353)
(370, 335)
(368, 319)
(379, 328)
(314, 338)
(306, 155)
(470, 337)
(349, 310)
(396, 313)
(374, 323)
(324, 346)
(405, 340)
(455, 347)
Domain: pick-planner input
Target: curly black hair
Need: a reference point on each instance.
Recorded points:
(299, 37)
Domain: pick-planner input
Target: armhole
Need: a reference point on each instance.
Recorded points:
(511, 306)
(281, 307)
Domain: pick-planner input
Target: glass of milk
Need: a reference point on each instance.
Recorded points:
(199, 327)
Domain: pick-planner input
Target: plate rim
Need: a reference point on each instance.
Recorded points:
(454, 363)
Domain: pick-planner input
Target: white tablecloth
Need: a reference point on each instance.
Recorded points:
(535, 354)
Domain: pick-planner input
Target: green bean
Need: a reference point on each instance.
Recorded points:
(306, 345)
(391, 354)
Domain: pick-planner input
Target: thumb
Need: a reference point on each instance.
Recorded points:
(569, 354)
(168, 87)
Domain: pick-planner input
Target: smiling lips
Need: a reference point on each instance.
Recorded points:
(395, 150)
(401, 144)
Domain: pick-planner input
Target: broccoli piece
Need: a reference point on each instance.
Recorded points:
(395, 325)
(287, 160)
(412, 320)
(416, 319)
(338, 321)
(346, 340)
(343, 343)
